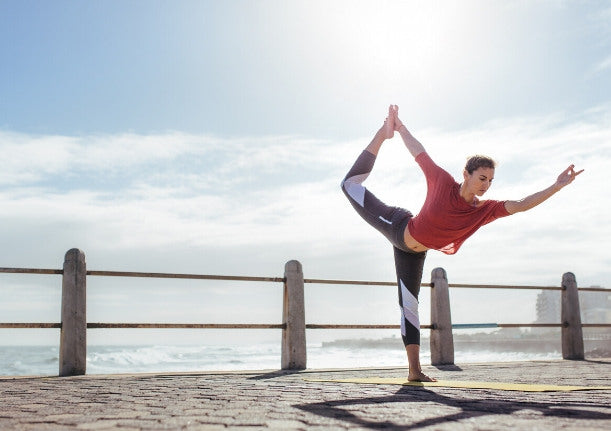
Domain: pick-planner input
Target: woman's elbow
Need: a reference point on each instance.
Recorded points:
(513, 207)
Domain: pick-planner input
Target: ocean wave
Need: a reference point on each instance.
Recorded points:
(44, 360)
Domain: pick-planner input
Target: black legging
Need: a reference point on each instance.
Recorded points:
(391, 222)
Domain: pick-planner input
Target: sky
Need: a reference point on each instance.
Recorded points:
(211, 137)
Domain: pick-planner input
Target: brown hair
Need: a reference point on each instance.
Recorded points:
(478, 161)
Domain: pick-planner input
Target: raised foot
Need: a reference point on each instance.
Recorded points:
(389, 124)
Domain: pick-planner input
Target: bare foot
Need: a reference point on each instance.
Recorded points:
(389, 124)
(420, 377)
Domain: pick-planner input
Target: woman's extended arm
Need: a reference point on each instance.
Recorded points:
(412, 144)
(564, 179)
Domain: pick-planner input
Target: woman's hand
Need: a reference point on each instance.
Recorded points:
(395, 112)
(410, 142)
(567, 176)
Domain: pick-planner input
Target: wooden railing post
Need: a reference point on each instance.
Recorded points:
(293, 334)
(442, 340)
(73, 338)
(572, 335)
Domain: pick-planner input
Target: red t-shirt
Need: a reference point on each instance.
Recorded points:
(446, 220)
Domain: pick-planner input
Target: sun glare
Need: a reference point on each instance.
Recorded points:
(388, 40)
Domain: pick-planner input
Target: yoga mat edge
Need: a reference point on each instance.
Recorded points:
(464, 384)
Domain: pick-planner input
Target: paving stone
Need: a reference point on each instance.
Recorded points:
(98, 425)
(285, 401)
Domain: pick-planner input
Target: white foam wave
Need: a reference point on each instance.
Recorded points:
(44, 360)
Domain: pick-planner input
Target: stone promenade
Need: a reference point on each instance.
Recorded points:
(285, 401)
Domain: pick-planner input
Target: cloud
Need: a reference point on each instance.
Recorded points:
(602, 66)
(200, 189)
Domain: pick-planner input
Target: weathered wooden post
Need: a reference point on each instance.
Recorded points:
(442, 340)
(572, 335)
(293, 334)
(73, 338)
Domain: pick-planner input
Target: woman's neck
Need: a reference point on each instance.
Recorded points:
(469, 197)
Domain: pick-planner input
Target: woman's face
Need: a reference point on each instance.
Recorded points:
(479, 181)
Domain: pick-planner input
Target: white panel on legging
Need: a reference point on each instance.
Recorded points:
(410, 306)
(355, 189)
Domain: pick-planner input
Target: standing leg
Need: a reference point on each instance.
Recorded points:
(409, 267)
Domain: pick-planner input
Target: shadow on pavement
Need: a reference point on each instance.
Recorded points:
(604, 362)
(274, 374)
(468, 408)
(450, 367)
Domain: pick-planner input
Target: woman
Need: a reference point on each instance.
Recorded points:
(451, 213)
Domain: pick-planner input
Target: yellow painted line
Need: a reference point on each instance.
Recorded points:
(464, 384)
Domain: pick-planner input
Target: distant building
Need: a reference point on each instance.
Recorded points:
(595, 307)
(548, 307)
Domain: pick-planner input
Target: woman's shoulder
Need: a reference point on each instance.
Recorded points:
(423, 157)
(497, 207)
(426, 163)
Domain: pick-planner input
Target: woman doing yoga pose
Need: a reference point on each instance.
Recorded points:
(451, 213)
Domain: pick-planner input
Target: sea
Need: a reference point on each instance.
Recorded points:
(108, 359)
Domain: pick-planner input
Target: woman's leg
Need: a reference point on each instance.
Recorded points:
(391, 222)
(409, 267)
(388, 220)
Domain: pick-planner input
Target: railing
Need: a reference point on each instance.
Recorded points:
(74, 325)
